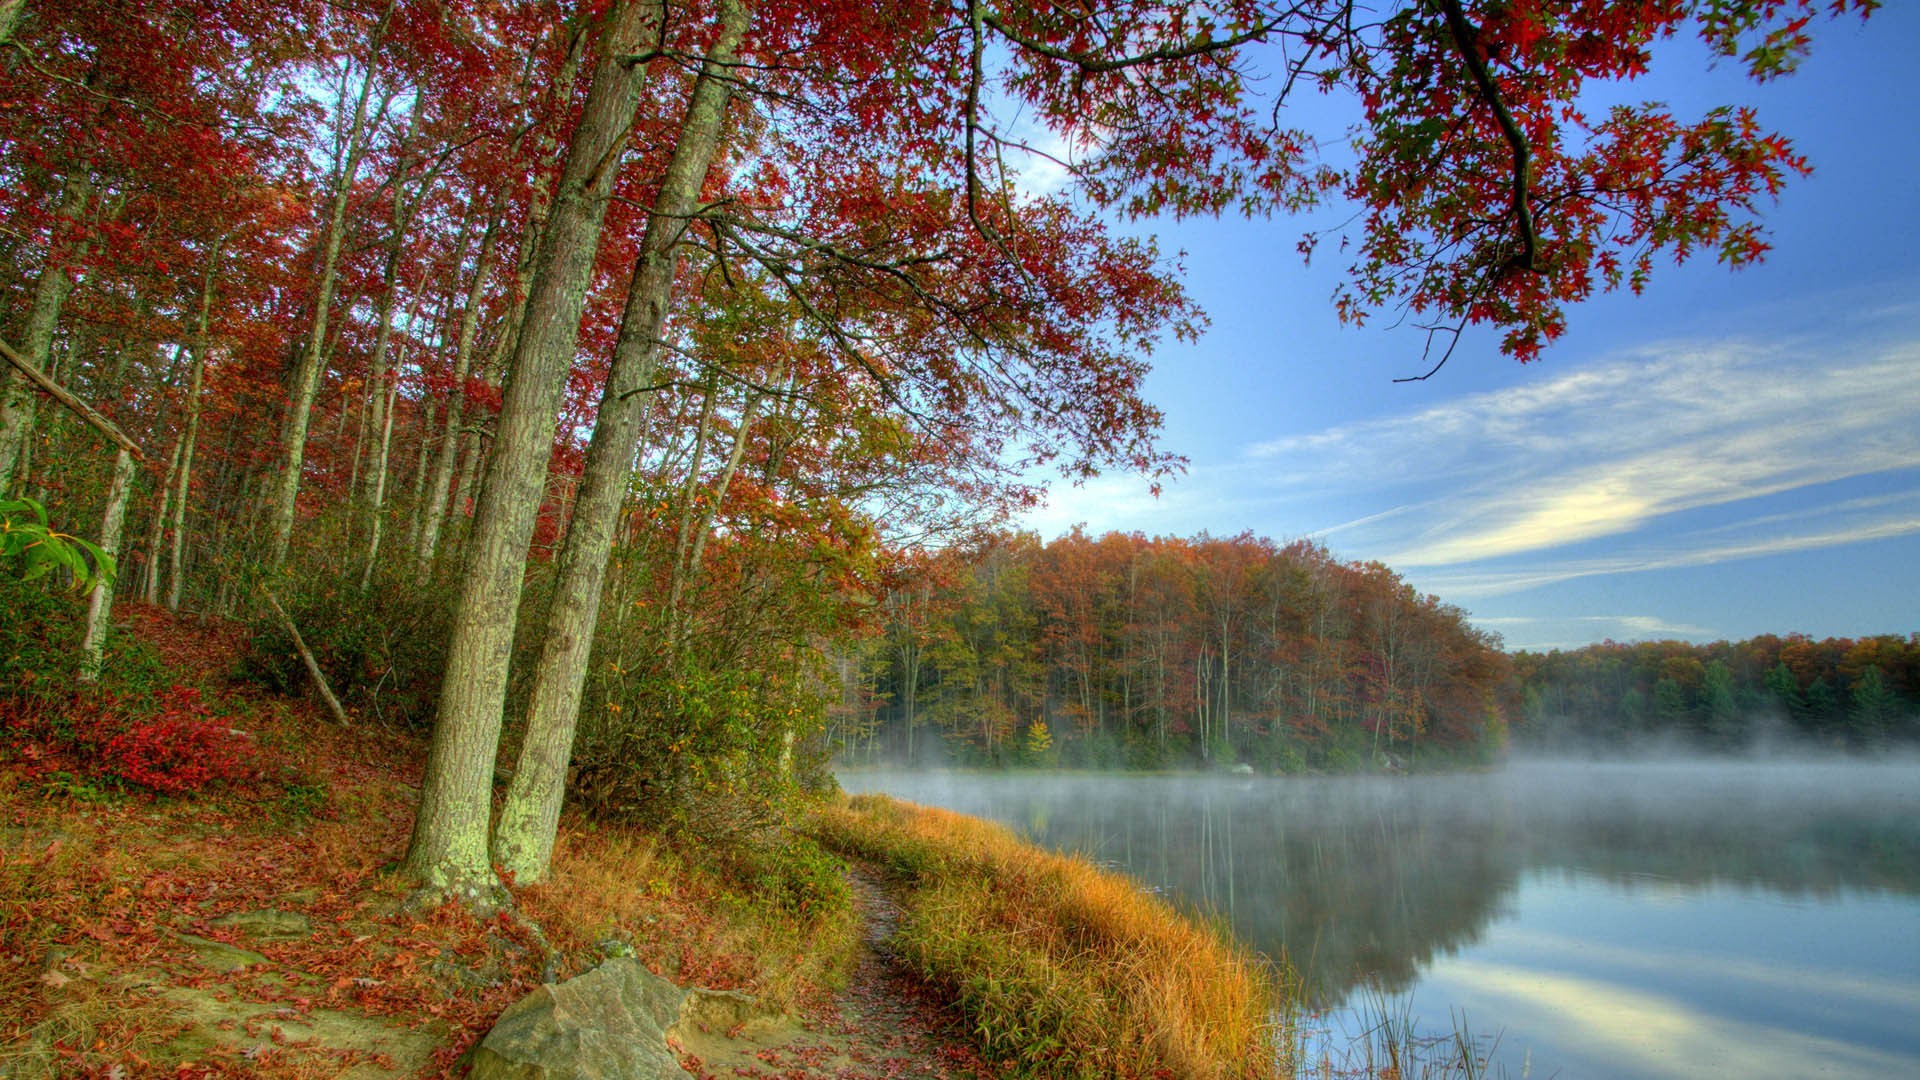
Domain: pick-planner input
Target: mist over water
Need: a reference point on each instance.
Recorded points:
(1610, 919)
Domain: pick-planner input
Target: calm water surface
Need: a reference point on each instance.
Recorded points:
(1604, 920)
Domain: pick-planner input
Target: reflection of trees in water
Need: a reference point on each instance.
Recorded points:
(1354, 879)
(1363, 884)
(1794, 847)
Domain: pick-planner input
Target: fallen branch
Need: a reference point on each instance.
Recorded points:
(86, 412)
(306, 657)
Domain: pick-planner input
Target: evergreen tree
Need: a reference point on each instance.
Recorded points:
(1720, 715)
(1875, 707)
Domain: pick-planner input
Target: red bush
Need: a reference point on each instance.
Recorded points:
(182, 748)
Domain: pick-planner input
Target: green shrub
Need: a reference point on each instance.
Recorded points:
(40, 652)
(383, 651)
(718, 750)
(792, 873)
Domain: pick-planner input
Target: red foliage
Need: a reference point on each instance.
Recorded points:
(175, 746)
(182, 749)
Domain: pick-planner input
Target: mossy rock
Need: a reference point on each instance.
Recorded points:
(219, 1027)
(610, 1023)
(218, 956)
(267, 925)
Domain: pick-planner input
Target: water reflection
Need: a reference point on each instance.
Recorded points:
(1375, 879)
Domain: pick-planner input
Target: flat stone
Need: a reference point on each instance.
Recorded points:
(218, 956)
(268, 925)
(254, 1027)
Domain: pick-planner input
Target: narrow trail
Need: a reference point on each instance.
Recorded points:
(884, 1025)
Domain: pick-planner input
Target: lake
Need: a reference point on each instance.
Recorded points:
(1591, 920)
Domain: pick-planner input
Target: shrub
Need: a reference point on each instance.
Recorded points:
(717, 750)
(182, 748)
(793, 873)
(40, 651)
(383, 651)
(170, 743)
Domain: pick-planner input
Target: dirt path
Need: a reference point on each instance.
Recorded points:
(883, 1026)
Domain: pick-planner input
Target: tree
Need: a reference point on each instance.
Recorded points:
(448, 852)
(1875, 707)
(305, 375)
(1719, 712)
(805, 309)
(523, 840)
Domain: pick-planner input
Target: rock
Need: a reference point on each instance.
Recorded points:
(268, 925)
(217, 1027)
(219, 956)
(609, 1024)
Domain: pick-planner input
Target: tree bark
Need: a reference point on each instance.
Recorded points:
(156, 533)
(382, 390)
(540, 205)
(100, 600)
(306, 657)
(10, 12)
(523, 842)
(183, 476)
(448, 850)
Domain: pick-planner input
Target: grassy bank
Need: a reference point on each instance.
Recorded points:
(1063, 969)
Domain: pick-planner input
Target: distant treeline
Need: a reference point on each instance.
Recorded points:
(1129, 652)
(1839, 693)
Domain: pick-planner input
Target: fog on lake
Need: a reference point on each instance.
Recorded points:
(1605, 920)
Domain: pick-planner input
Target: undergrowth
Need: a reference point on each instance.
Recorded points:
(1064, 969)
(111, 886)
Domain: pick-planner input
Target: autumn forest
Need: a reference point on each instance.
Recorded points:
(634, 397)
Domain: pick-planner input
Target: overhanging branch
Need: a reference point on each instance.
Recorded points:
(1464, 43)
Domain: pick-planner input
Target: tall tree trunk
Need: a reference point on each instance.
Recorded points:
(523, 841)
(540, 205)
(472, 461)
(703, 528)
(100, 600)
(183, 476)
(306, 372)
(438, 487)
(156, 532)
(17, 398)
(448, 849)
(683, 538)
(10, 12)
(376, 517)
(382, 389)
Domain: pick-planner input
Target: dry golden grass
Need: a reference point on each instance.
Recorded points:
(1069, 969)
(681, 913)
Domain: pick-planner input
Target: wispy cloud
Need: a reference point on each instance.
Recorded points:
(1606, 450)
(1623, 625)
(1775, 448)
(1470, 582)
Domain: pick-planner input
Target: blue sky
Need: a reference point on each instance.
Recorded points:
(1732, 453)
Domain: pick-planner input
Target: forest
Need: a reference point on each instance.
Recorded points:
(1771, 693)
(1124, 651)
(582, 388)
